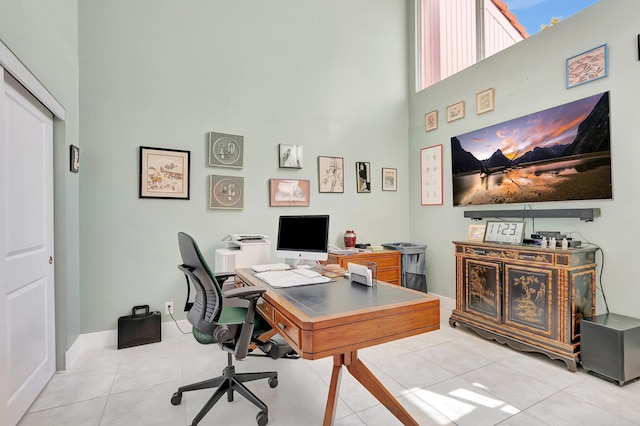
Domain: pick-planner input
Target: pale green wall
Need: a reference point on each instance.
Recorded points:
(44, 36)
(329, 75)
(530, 77)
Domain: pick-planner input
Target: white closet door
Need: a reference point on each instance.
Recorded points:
(27, 345)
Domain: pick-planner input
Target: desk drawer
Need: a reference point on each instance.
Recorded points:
(283, 325)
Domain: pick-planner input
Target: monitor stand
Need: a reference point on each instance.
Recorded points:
(301, 263)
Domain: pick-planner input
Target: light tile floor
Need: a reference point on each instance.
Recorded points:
(446, 377)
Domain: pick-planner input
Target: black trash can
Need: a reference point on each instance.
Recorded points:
(413, 264)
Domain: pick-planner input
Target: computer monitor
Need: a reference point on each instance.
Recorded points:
(303, 237)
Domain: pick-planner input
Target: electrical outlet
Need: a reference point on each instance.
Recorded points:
(168, 308)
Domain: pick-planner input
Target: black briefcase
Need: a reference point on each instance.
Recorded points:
(139, 328)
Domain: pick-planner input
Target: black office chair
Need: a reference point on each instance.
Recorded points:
(233, 328)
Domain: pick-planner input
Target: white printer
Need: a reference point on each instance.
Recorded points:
(242, 251)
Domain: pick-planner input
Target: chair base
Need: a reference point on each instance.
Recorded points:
(229, 382)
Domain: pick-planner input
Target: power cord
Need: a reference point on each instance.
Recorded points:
(598, 249)
(183, 332)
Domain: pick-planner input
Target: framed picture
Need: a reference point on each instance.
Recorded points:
(363, 176)
(587, 66)
(288, 193)
(290, 156)
(389, 179)
(431, 120)
(225, 150)
(455, 111)
(164, 173)
(74, 159)
(431, 176)
(330, 174)
(226, 192)
(485, 101)
(476, 233)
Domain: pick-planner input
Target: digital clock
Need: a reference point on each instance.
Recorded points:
(503, 232)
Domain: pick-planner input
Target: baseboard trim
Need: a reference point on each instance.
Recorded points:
(109, 339)
(446, 302)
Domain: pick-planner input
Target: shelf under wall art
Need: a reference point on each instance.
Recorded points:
(226, 192)
(164, 173)
(225, 150)
(558, 154)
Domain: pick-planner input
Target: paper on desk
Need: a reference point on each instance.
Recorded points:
(281, 279)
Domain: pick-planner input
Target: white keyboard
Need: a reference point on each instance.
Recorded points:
(306, 272)
(271, 267)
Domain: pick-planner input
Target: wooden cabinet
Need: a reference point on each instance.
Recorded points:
(529, 298)
(387, 261)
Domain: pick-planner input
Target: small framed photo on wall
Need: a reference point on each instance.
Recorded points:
(389, 179)
(290, 156)
(74, 159)
(363, 176)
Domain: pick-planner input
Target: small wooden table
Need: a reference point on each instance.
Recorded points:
(338, 318)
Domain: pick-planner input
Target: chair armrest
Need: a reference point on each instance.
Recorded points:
(223, 276)
(245, 293)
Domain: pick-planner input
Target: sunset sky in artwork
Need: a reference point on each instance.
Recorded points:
(553, 126)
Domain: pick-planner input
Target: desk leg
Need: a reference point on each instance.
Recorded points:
(334, 386)
(369, 381)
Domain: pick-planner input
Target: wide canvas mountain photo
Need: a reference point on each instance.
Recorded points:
(561, 153)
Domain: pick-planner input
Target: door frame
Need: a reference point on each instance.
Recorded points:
(11, 63)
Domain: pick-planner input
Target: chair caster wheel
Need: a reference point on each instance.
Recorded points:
(176, 399)
(262, 419)
(273, 382)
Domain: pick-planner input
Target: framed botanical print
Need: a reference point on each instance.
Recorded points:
(485, 101)
(431, 176)
(431, 120)
(164, 173)
(455, 111)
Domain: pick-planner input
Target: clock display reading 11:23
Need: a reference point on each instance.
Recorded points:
(504, 232)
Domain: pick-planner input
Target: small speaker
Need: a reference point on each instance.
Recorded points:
(610, 346)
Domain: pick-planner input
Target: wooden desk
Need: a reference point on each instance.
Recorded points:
(338, 318)
(388, 262)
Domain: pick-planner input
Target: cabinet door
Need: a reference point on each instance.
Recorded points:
(529, 299)
(482, 289)
(583, 293)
